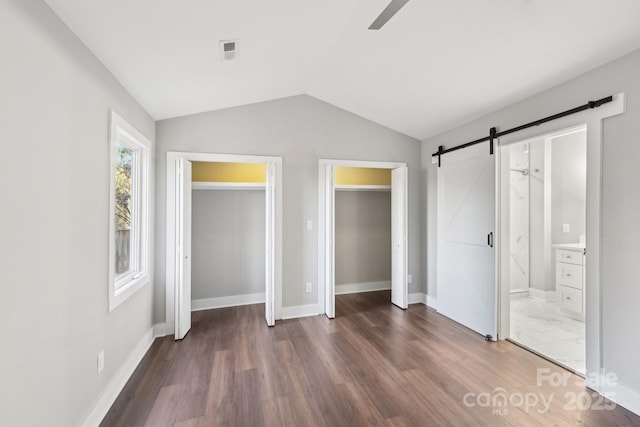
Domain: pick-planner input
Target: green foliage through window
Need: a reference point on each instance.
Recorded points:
(123, 187)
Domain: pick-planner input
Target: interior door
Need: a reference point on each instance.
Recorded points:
(399, 250)
(466, 288)
(270, 256)
(330, 249)
(183, 240)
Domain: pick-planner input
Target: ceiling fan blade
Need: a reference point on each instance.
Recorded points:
(387, 13)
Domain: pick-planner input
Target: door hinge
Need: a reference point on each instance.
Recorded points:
(490, 239)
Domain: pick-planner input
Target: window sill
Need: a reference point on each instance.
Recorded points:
(123, 293)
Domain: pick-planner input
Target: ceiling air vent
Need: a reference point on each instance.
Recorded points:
(228, 50)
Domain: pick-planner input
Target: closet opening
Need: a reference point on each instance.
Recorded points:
(224, 235)
(363, 245)
(228, 234)
(362, 238)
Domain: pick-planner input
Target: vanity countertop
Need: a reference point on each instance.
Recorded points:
(570, 246)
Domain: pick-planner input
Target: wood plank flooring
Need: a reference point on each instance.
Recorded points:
(374, 365)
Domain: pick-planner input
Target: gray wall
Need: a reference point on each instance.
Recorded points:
(568, 201)
(54, 140)
(568, 192)
(519, 221)
(363, 236)
(568, 187)
(540, 273)
(227, 243)
(620, 205)
(301, 129)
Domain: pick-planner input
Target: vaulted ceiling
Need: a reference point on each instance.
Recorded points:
(436, 64)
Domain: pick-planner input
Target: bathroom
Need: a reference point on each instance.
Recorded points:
(546, 267)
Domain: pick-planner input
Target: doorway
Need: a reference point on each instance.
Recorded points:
(546, 244)
(497, 309)
(362, 236)
(327, 230)
(228, 234)
(179, 232)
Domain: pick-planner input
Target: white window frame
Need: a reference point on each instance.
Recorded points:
(123, 287)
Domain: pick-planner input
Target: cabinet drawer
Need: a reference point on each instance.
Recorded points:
(572, 257)
(570, 299)
(569, 275)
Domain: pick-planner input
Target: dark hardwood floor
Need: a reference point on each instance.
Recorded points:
(373, 365)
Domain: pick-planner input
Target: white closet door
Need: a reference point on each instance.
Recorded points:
(270, 256)
(399, 250)
(183, 240)
(330, 249)
(466, 286)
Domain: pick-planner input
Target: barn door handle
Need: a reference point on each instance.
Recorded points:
(490, 239)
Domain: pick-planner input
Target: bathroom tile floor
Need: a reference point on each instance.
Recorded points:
(541, 326)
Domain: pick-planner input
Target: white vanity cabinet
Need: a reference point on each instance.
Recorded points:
(570, 279)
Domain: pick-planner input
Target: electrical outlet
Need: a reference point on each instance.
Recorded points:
(100, 361)
(308, 287)
(409, 278)
(309, 225)
(566, 228)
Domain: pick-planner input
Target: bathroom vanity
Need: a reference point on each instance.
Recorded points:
(570, 278)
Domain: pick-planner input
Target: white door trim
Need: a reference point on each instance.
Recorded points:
(270, 244)
(183, 230)
(324, 305)
(329, 227)
(170, 245)
(400, 236)
(593, 323)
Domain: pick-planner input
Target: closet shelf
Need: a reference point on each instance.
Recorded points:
(363, 188)
(227, 186)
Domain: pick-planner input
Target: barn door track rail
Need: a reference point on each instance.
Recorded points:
(494, 134)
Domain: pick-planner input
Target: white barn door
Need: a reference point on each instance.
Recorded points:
(399, 250)
(466, 286)
(183, 242)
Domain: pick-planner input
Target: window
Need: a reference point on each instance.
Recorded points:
(129, 217)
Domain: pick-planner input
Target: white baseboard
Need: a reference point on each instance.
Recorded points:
(418, 298)
(622, 395)
(122, 375)
(542, 295)
(356, 288)
(295, 311)
(432, 302)
(519, 294)
(231, 301)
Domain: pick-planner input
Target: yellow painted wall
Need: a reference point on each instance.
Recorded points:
(228, 172)
(362, 176)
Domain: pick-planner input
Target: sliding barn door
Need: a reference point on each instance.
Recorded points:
(270, 243)
(183, 241)
(399, 250)
(466, 289)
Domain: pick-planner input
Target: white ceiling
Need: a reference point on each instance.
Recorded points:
(436, 64)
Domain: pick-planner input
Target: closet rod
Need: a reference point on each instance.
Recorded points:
(493, 134)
